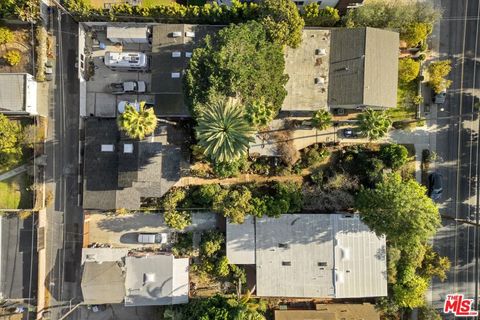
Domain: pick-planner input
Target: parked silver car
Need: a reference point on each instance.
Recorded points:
(160, 238)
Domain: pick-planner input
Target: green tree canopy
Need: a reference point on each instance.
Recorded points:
(259, 114)
(395, 15)
(234, 204)
(6, 35)
(373, 124)
(399, 209)
(322, 119)
(393, 155)
(314, 16)
(433, 265)
(416, 33)
(240, 62)
(137, 124)
(282, 21)
(437, 72)
(11, 139)
(177, 219)
(222, 131)
(408, 69)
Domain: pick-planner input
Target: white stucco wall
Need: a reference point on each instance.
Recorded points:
(31, 95)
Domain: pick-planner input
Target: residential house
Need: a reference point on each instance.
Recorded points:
(341, 5)
(122, 173)
(18, 94)
(310, 256)
(342, 68)
(112, 275)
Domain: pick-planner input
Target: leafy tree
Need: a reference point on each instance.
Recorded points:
(258, 114)
(416, 33)
(12, 57)
(388, 307)
(137, 124)
(437, 72)
(433, 265)
(411, 294)
(184, 245)
(6, 35)
(237, 61)
(204, 194)
(427, 312)
(10, 141)
(234, 204)
(291, 193)
(399, 209)
(259, 206)
(393, 155)
(314, 16)
(212, 308)
(227, 169)
(322, 119)
(283, 21)
(173, 198)
(222, 268)
(177, 219)
(395, 15)
(223, 132)
(211, 243)
(373, 124)
(408, 70)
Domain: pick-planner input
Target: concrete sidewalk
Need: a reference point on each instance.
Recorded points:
(13, 172)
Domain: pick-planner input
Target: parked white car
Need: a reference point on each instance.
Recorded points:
(160, 238)
(128, 87)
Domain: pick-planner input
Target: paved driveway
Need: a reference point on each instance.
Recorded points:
(122, 230)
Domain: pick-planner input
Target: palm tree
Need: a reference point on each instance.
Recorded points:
(222, 131)
(137, 124)
(248, 308)
(322, 119)
(373, 124)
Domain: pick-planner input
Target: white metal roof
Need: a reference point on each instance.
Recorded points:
(312, 255)
(241, 242)
(129, 34)
(125, 59)
(103, 254)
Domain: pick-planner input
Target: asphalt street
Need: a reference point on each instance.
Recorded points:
(457, 150)
(64, 216)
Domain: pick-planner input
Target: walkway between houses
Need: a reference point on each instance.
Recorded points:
(243, 178)
(13, 172)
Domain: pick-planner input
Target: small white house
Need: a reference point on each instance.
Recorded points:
(18, 94)
(127, 34)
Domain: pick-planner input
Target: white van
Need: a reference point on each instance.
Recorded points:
(126, 61)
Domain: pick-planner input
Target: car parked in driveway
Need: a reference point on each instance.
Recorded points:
(440, 97)
(160, 238)
(435, 186)
(128, 87)
(349, 133)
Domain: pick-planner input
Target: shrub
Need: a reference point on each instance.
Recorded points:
(317, 177)
(233, 204)
(177, 219)
(259, 114)
(393, 155)
(184, 245)
(173, 198)
(408, 69)
(226, 169)
(314, 156)
(314, 16)
(24, 214)
(416, 33)
(222, 269)
(12, 57)
(6, 35)
(205, 194)
(211, 243)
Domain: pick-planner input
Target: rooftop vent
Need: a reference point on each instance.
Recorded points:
(190, 34)
(91, 256)
(176, 54)
(321, 52)
(284, 245)
(177, 34)
(286, 263)
(107, 148)
(128, 148)
(148, 277)
(322, 264)
(175, 75)
(188, 54)
(319, 80)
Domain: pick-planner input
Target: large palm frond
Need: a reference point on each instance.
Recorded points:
(373, 124)
(137, 124)
(222, 131)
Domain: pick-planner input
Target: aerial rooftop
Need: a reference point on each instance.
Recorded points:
(311, 255)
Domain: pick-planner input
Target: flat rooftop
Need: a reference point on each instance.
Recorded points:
(334, 311)
(308, 67)
(311, 255)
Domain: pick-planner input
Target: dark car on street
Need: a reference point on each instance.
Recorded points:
(349, 133)
(435, 186)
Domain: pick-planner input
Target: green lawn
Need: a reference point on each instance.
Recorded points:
(405, 109)
(14, 193)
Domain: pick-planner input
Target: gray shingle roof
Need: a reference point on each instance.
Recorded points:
(363, 67)
(118, 179)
